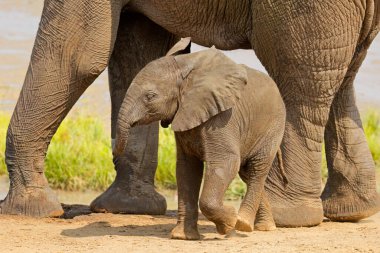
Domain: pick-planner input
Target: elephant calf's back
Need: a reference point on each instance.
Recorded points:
(263, 93)
(262, 112)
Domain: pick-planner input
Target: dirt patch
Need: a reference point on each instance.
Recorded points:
(144, 233)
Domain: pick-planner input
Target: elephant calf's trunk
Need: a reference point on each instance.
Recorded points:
(127, 117)
(122, 133)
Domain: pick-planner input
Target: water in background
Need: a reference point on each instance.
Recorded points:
(18, 25)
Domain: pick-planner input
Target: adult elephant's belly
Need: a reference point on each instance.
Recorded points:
(227, 29)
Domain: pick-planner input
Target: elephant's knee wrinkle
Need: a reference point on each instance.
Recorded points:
(90, 70)
(209, 208)
(96, 69)
(313, 145)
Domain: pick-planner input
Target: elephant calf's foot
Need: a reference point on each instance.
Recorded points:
(182, 232)
(32, 201)
(225, 229)
(264, 219)
(244, 224)
(224, 217)
(349, 207)
(227, 220)
(139, 198)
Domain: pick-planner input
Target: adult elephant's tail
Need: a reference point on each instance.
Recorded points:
(281, 165)
(371, 25)
(376, 27)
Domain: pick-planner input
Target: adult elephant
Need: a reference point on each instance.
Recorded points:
(312, 49)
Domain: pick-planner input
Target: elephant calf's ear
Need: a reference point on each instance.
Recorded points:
(213, 87)
(181, 45)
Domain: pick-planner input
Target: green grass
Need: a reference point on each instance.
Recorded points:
(371, 125)
(80, 158)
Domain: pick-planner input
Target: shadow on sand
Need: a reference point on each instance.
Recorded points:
(105, 228)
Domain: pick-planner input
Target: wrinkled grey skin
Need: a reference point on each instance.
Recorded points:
(228, 116)
(312, 50)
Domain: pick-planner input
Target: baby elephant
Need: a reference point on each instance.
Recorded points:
(226, 115)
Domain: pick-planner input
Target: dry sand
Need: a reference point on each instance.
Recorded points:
(144, 233)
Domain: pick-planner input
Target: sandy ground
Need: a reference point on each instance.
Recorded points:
(145, 233)
(138, 233)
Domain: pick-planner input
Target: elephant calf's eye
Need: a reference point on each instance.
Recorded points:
(150, 96)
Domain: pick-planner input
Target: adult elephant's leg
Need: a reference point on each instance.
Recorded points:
(72, 48)
(307, 48)
(350, 193)
(138, 42)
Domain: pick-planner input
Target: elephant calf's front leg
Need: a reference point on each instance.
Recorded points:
(219, 175)
(189, 176)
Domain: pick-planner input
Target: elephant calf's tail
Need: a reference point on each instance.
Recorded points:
(281, 165)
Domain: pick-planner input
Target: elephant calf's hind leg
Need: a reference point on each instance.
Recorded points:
(264, 219)
(255, 178)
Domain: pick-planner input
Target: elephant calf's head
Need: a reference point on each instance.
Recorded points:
(185, 90)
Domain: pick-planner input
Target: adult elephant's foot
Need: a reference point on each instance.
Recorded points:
(297, 203)
(298, 216)
(133, 190)
(32, 201)
(293, 208)
(350, 192)
(353, 200)
(29, 192)
(185, 232)
(136, 198)
(349, 207)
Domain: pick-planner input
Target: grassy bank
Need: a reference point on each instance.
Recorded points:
(371, 125)
(79, 156)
